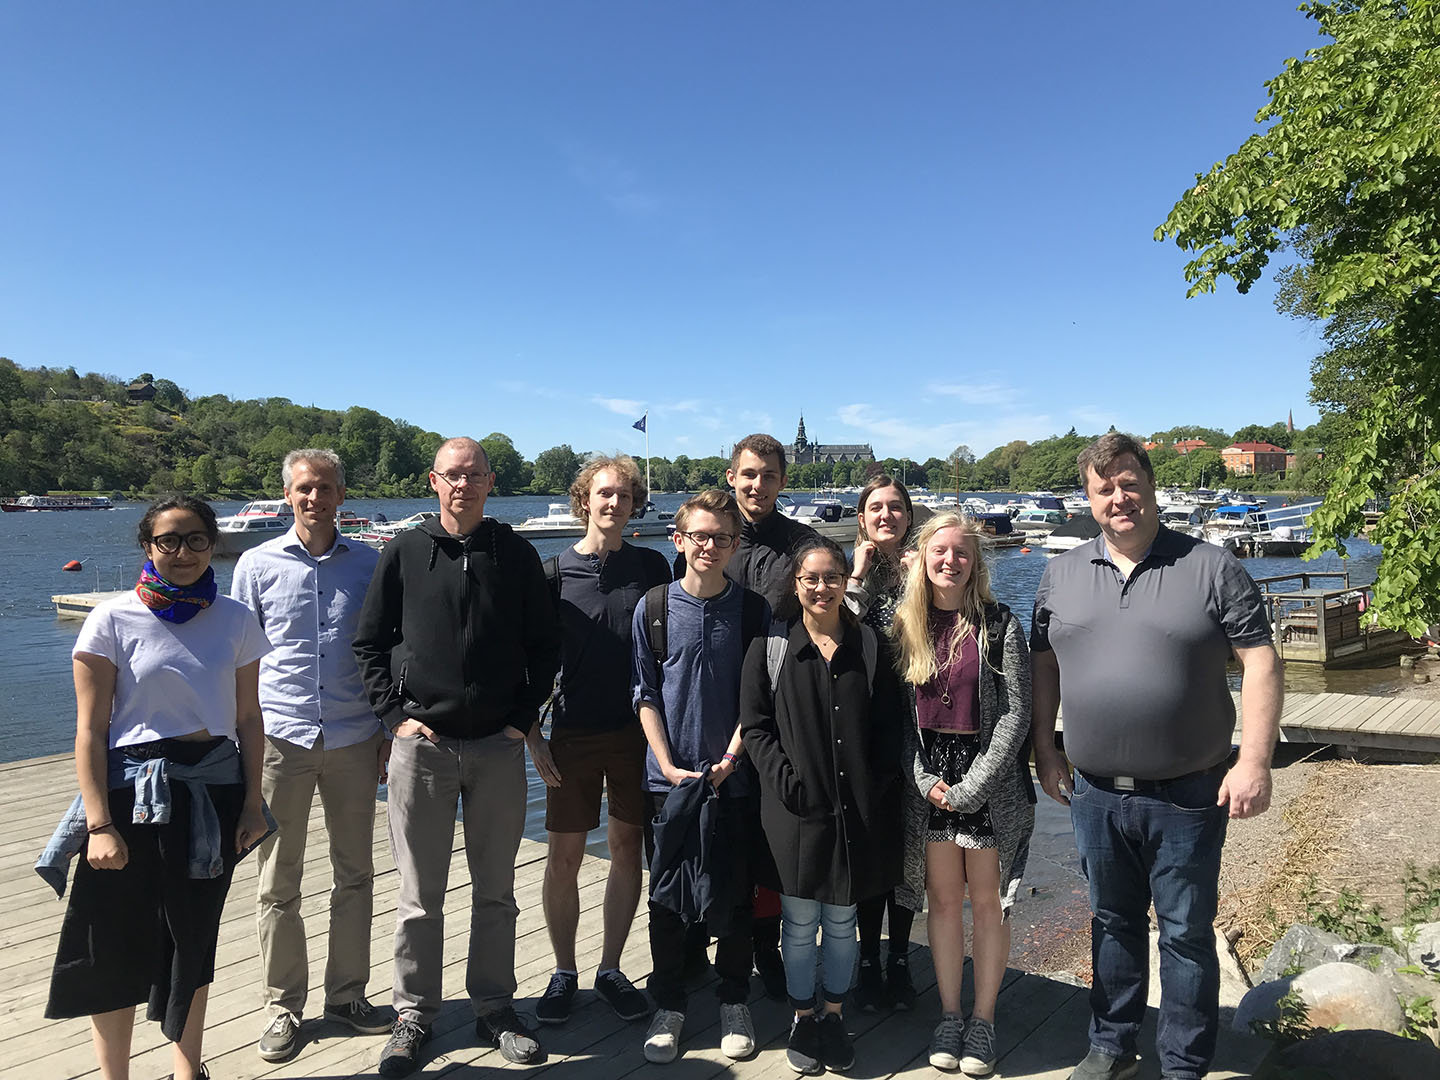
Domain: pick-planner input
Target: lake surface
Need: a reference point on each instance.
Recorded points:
(37, 701)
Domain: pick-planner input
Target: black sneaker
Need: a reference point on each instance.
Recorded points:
(554, 1005)
(899, 990)
(620, 994)
(771, 970)
(280, 1040)
(401, 1055)
(1099, 1065)
(870, 987)
(836, 1049)
(803, 1049)
(508, 1034)
(361, 1017)
(979, 1046)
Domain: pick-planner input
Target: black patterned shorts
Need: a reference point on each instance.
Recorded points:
(951, 754)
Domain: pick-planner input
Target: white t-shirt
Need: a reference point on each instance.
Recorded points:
(172, 678)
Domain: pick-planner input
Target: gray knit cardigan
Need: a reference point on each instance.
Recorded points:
(1000, 774)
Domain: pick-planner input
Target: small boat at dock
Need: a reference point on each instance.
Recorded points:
(559, 521)
(253, 524)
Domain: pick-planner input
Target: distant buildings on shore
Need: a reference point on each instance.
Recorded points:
(804, 452)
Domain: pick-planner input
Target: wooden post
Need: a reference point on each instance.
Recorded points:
(1320, 630)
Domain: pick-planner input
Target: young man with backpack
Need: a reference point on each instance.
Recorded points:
(689, 643)
(596, 742)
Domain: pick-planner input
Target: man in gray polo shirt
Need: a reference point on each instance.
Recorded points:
(1132, 631)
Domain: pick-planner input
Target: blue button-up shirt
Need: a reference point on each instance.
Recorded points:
(309, 681)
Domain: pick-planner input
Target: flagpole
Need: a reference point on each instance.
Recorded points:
(647, 452)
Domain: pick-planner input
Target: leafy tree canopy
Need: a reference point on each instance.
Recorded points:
(555, 469)
(1345, 177)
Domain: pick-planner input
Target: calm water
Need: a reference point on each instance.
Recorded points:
(37, 703)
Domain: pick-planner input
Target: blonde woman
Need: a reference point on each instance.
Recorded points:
(965, 656)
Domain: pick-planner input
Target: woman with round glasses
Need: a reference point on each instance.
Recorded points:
(820, 709)
(166, 685)
(882, 545)
(965, 656)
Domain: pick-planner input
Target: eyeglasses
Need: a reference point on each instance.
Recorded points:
(700, 539)
(813, 581)
(170, 543)
(455, 479)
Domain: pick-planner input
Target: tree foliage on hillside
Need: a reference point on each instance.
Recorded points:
(1346, 178)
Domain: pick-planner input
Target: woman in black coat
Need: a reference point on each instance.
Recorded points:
(819, 702)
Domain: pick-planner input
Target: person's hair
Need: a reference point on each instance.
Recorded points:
(193, 503)
(915, 654)
(789, 606)
(624, 466)
(762, 446)
(455, 444)
(1102, 455)
(720, 503)
(314, 457)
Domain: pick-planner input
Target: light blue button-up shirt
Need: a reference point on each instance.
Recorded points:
(309, 681)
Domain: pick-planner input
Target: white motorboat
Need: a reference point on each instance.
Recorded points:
(558, 521)
(1078, 530)
(1252, 529)
(256, 522)
(829, 517)
(377, 536)
(1184, 518)
(1040, 521)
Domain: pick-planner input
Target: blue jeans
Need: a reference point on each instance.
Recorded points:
(800, 919)
(1162, 843)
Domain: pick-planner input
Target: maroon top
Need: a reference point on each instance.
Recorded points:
(951, 700)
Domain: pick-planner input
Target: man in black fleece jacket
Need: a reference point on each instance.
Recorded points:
(458, 643)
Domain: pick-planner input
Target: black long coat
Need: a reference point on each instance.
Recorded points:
(829, 752)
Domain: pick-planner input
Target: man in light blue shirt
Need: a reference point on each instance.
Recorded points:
(320, 734)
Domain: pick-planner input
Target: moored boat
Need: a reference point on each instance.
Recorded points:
(253, 524)
(559, 521)
(31, 503)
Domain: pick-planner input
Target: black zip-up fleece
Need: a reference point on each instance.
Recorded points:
(459, 633)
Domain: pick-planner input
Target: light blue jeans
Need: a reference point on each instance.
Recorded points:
(800, 921)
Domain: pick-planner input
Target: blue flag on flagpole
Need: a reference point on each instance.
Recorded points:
(639, 425)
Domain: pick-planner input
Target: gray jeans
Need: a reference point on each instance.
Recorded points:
(487, 777)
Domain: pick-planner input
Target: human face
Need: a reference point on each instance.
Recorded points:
(707, 557)
(949, 561)
(756, 480)
(313, 494)
(611, 500)
(820, 585)
(1124, 504)
(463, 500)
(884, 517)
(183, 567)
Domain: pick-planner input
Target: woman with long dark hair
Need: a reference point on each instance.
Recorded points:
(168, 749)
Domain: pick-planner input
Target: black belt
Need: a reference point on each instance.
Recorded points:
(180, 751)
(1125, 785)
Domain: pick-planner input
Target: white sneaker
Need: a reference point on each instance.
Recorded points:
(662, 1041)
(737, 1031)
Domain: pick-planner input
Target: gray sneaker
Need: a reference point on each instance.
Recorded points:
(662, 1041)
(947, 1044)
(1099, 1065)
(737, 1031)
(509, 1034)
(281, 1040)
(979, 1046)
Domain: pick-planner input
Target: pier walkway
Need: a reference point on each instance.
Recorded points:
(1042, 1021)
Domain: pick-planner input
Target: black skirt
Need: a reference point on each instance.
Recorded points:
(951, 755)
(145, 934)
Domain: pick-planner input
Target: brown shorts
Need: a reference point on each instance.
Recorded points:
(612, 761)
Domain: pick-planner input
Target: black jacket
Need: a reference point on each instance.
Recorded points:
(459, 633)
(829, 752)
(765, 557)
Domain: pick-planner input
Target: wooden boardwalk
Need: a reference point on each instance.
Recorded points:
(1042, 1021)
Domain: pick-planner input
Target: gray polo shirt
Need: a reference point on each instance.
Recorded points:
(1142, 661)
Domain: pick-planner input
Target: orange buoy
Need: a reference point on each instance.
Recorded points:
(73, 564)
(1024, 551)
(635, 534)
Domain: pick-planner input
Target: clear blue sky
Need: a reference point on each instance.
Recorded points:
(918, 223)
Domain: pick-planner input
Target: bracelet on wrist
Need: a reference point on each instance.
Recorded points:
(93, 829)
(731, 758)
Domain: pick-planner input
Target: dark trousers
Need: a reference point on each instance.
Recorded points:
(1162, 844)
(870, 915)
(668, 930)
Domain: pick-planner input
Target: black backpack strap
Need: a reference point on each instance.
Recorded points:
(657, 617)
(552, 578)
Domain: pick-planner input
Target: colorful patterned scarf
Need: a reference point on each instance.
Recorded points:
(175, 603)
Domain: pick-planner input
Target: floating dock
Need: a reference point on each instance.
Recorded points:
(78, 605)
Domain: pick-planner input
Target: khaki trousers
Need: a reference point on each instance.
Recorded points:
(346, 780)
(486, 778)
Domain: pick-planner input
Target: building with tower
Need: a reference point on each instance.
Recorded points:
(805, 452)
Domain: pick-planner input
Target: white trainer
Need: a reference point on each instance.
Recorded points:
(662, 1040)
(737, 1031)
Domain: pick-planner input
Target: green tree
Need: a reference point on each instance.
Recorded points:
(205, 474)
(555, 469)
(505, 462)
(1345, 177)
(169, 395)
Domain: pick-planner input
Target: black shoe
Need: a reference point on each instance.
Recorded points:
(899, 990)
(836, 1049)
(505, 1031)
(870, 987)
(620, 994)
(401, 1055)
(771, 970)
(1101, 1066)
(803, 1049)
(361, 1017)
(554, 1005)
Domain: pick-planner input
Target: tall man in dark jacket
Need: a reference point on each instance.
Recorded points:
(459, 643)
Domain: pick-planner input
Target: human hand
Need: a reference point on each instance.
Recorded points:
(864, 557)
(1054, 775)
(414, 727)
(251, 828)
(678, 776)
(936, 797)
(722, 771)
(543, 759)
(1246, 788)
(106, 850)
(512, 732)
(382, 760)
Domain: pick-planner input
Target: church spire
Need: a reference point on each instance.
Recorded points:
(800, 441)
